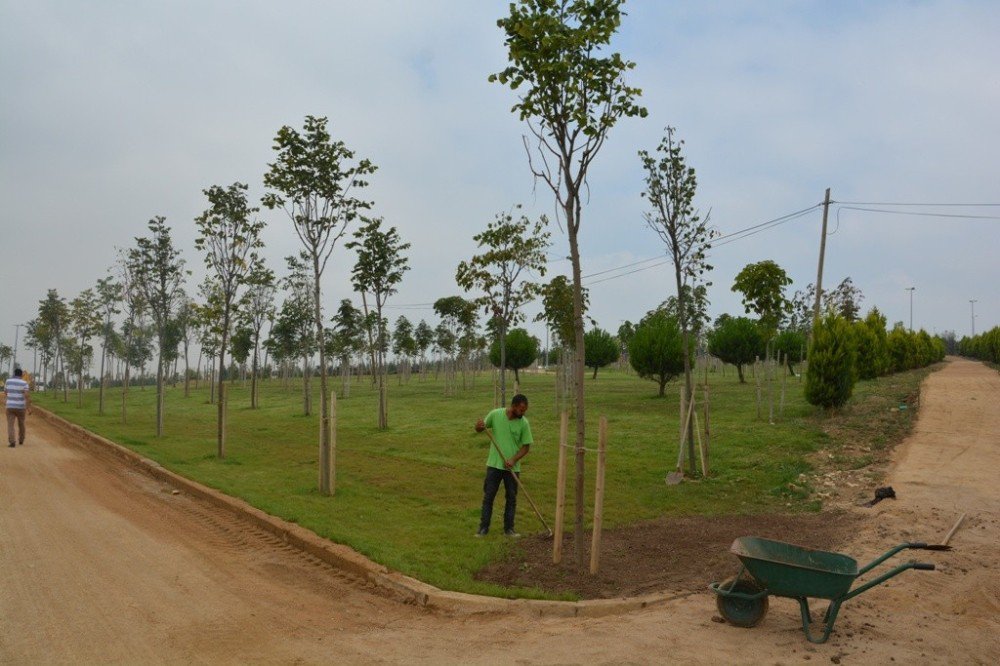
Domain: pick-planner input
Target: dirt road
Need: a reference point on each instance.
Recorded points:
(101, 564)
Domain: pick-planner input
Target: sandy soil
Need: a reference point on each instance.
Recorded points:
(100, 564)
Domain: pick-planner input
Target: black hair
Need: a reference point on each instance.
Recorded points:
(519, 399)
(18, 372)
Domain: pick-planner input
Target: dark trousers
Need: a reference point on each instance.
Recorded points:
(490, 488)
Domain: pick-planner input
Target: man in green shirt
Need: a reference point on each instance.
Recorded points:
(512, 433)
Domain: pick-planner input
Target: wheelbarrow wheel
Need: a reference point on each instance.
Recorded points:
(742, 612)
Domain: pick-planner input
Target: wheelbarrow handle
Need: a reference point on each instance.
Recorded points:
(892, 551)
(923, 566)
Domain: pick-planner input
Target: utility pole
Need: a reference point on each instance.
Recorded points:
(911, 289)
(972, 305)
(819, 272)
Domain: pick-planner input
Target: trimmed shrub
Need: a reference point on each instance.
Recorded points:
(656, 350)
(831, 374)
(736, 340)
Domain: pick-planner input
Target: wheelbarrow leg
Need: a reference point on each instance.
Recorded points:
(829, 618)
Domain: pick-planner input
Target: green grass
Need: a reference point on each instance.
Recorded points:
(409, 497)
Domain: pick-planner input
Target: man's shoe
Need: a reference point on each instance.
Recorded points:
(512, 534)
(11, 445)
(481, 533)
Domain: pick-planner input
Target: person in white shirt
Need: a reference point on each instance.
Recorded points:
(18, 404)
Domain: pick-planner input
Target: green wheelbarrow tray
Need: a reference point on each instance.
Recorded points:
(786, 570)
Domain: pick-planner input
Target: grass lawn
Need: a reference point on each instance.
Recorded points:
(408, 497)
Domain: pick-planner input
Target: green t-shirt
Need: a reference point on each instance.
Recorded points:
(510, 434)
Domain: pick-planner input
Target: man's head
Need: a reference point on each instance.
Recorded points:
(518, 405)
(18, 372)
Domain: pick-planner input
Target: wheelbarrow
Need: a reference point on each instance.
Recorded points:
(785, 570)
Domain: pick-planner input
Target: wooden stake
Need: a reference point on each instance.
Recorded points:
(701, 447)
(333, 443)
(223, 399)
(595, 542)
(561, 488)
(784, 377)
(756, 377)
(708, 432)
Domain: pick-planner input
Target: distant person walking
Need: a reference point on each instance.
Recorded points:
(18, 403)
(512, 433)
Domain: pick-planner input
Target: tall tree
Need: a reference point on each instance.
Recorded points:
(379, 268)
(258, 308)
(512, 249)
(670, 190)
(230, 238)
(158, 270)
(109, 295)
(85, 322)
(763, 288)
(313, 180)
(53, 315)
(571, 93)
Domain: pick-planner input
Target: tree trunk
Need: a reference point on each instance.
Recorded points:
(327, 473)
(159, 394)
(572, 225)
(100, 394)
(220, 417)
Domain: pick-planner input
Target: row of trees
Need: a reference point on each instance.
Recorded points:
(985, 346)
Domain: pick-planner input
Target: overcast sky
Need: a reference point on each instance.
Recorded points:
(114, 112)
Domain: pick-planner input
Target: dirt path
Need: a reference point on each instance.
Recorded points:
(101, 564)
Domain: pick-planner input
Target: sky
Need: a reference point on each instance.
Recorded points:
(112, 113)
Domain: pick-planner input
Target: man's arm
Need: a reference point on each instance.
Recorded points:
(523, 451)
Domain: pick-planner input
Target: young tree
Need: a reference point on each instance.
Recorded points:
(54, 315)
(831, 374)
(85, 322)
(423, 335)
(522, 350)
(186, 323)
(379, 268)
(670, 190)
(109, 295)
(314, 180)
(571, 93)
(512, 249)
(349, 332)
(763, 288)
(657, 349)
(230, 238)
(258, 308)
(871, 340)
(158, 270)
(404, 345)
(600, 349)
(737, 341)
(791, 344)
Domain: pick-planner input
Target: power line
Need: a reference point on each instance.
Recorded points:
(882, 203)
(905, 212)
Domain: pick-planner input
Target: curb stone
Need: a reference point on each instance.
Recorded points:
(409, 590)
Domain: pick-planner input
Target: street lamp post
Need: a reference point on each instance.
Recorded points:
(972, 306)
(13, 359)
(911, 289)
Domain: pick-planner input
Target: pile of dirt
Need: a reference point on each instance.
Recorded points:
(665, 555)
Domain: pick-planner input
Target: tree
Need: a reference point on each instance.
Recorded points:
(186, 322)
(458, 318)
(53, 316)
(831, 374)
(557, 310)
(513, 248)
(571, 93)
(845, 300)
(6, 354)
(109, 295)
(159, 274)
(258, 308)
(790, 343)
(379, 268)
(348, 329)
(872, 344)
(313, 180)
(423, 335)
(230, 240)
(600, 349)
(736, 340)
(670, 190)
(763, 288)
(85, 322)
(294, 327)
(657, 349)
(522, 350)
(404, 345)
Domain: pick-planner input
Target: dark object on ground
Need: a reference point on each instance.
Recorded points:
(880, 494)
